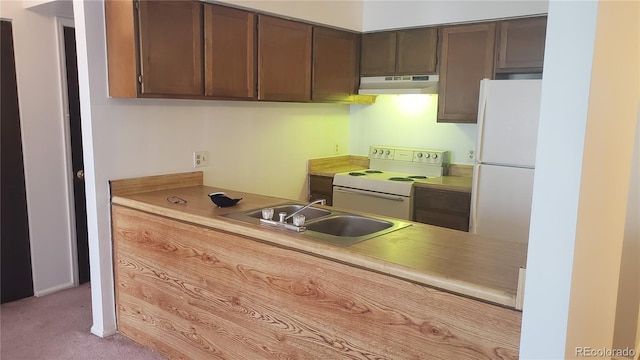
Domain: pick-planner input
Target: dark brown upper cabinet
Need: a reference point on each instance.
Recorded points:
(284, 59)
(229, 52)
(400, 52)
(164, 58)
(335, 64)
(520, 45)
(467, 56)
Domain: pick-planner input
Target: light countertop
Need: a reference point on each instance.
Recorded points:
(455, 261)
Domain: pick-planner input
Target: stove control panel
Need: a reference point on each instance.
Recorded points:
(423, 156)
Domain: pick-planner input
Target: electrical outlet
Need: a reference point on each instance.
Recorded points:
(200, 159)
(336, 148)
(471, 154)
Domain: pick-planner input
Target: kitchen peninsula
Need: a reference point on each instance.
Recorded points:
(193, 284)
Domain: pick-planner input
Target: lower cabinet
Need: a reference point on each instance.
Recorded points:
(321, 187)
(444, 208)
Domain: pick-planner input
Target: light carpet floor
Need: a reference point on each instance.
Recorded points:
(57, 327)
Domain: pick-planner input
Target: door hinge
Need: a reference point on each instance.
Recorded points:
(140, 79)
(137, 5)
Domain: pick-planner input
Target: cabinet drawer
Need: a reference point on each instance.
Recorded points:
(442, 200)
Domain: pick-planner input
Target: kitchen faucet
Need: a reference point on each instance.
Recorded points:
(319, 201)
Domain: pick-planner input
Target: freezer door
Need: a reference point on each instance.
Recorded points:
(508, 122)
(501, 202)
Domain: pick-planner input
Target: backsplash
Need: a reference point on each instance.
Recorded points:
(409, 121)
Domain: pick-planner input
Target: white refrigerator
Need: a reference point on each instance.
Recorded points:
(508, 113)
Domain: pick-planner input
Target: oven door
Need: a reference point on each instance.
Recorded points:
(395, 206)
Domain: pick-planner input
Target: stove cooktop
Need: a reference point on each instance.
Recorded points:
(393, 170)
(389, 182)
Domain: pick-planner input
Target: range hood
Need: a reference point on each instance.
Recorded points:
(402, 84)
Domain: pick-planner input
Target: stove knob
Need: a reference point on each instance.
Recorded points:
(375, 151)
(387, 152)
(435, 156)
(427, 155)
(419, 155)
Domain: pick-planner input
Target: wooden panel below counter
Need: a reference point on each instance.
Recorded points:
(193, 292)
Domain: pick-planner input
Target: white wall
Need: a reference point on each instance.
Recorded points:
(409, 121)
(582, 178)
(380, 15)
(336, 13)
(43, 137)
(256, 147)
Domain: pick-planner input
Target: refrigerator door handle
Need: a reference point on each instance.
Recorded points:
(474, 199)
(482, 109)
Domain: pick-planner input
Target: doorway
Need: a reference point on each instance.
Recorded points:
(15, 249)
(77, 165)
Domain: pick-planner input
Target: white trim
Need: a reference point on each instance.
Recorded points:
(53, 289)
(61, 23)
(103, 332)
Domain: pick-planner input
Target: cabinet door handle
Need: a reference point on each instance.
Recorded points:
(369, 193)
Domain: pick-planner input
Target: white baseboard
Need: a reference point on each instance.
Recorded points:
(51, 290)
(103, 332)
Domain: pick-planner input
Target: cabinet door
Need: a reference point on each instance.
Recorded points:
(335, 64)
(171, 47)
(467, 54)
(230, 48)
(378, 55)
(450, 209)
(416, 51)
(321, 187)
(521, 45)
(284, 59)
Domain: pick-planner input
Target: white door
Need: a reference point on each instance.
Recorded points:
(508, 122)
(501, 202)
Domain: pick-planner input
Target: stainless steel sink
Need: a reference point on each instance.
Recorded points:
(349, 225)
(344, 229)
(309, 213)
(330, 226)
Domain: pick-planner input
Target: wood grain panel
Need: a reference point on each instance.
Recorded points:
(171, 42)
(520, 45)
(230, 52)
(417, 51)
(336, 64)
(467, 56)
(187, 289)
(284, 59)
(321, 187)
(154, 183)
(121, 48)
(378, 54)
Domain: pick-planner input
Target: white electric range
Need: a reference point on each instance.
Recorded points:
(386, 188)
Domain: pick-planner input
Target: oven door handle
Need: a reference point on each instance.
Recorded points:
(370, 193)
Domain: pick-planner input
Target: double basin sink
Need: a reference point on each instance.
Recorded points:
(335, 227)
